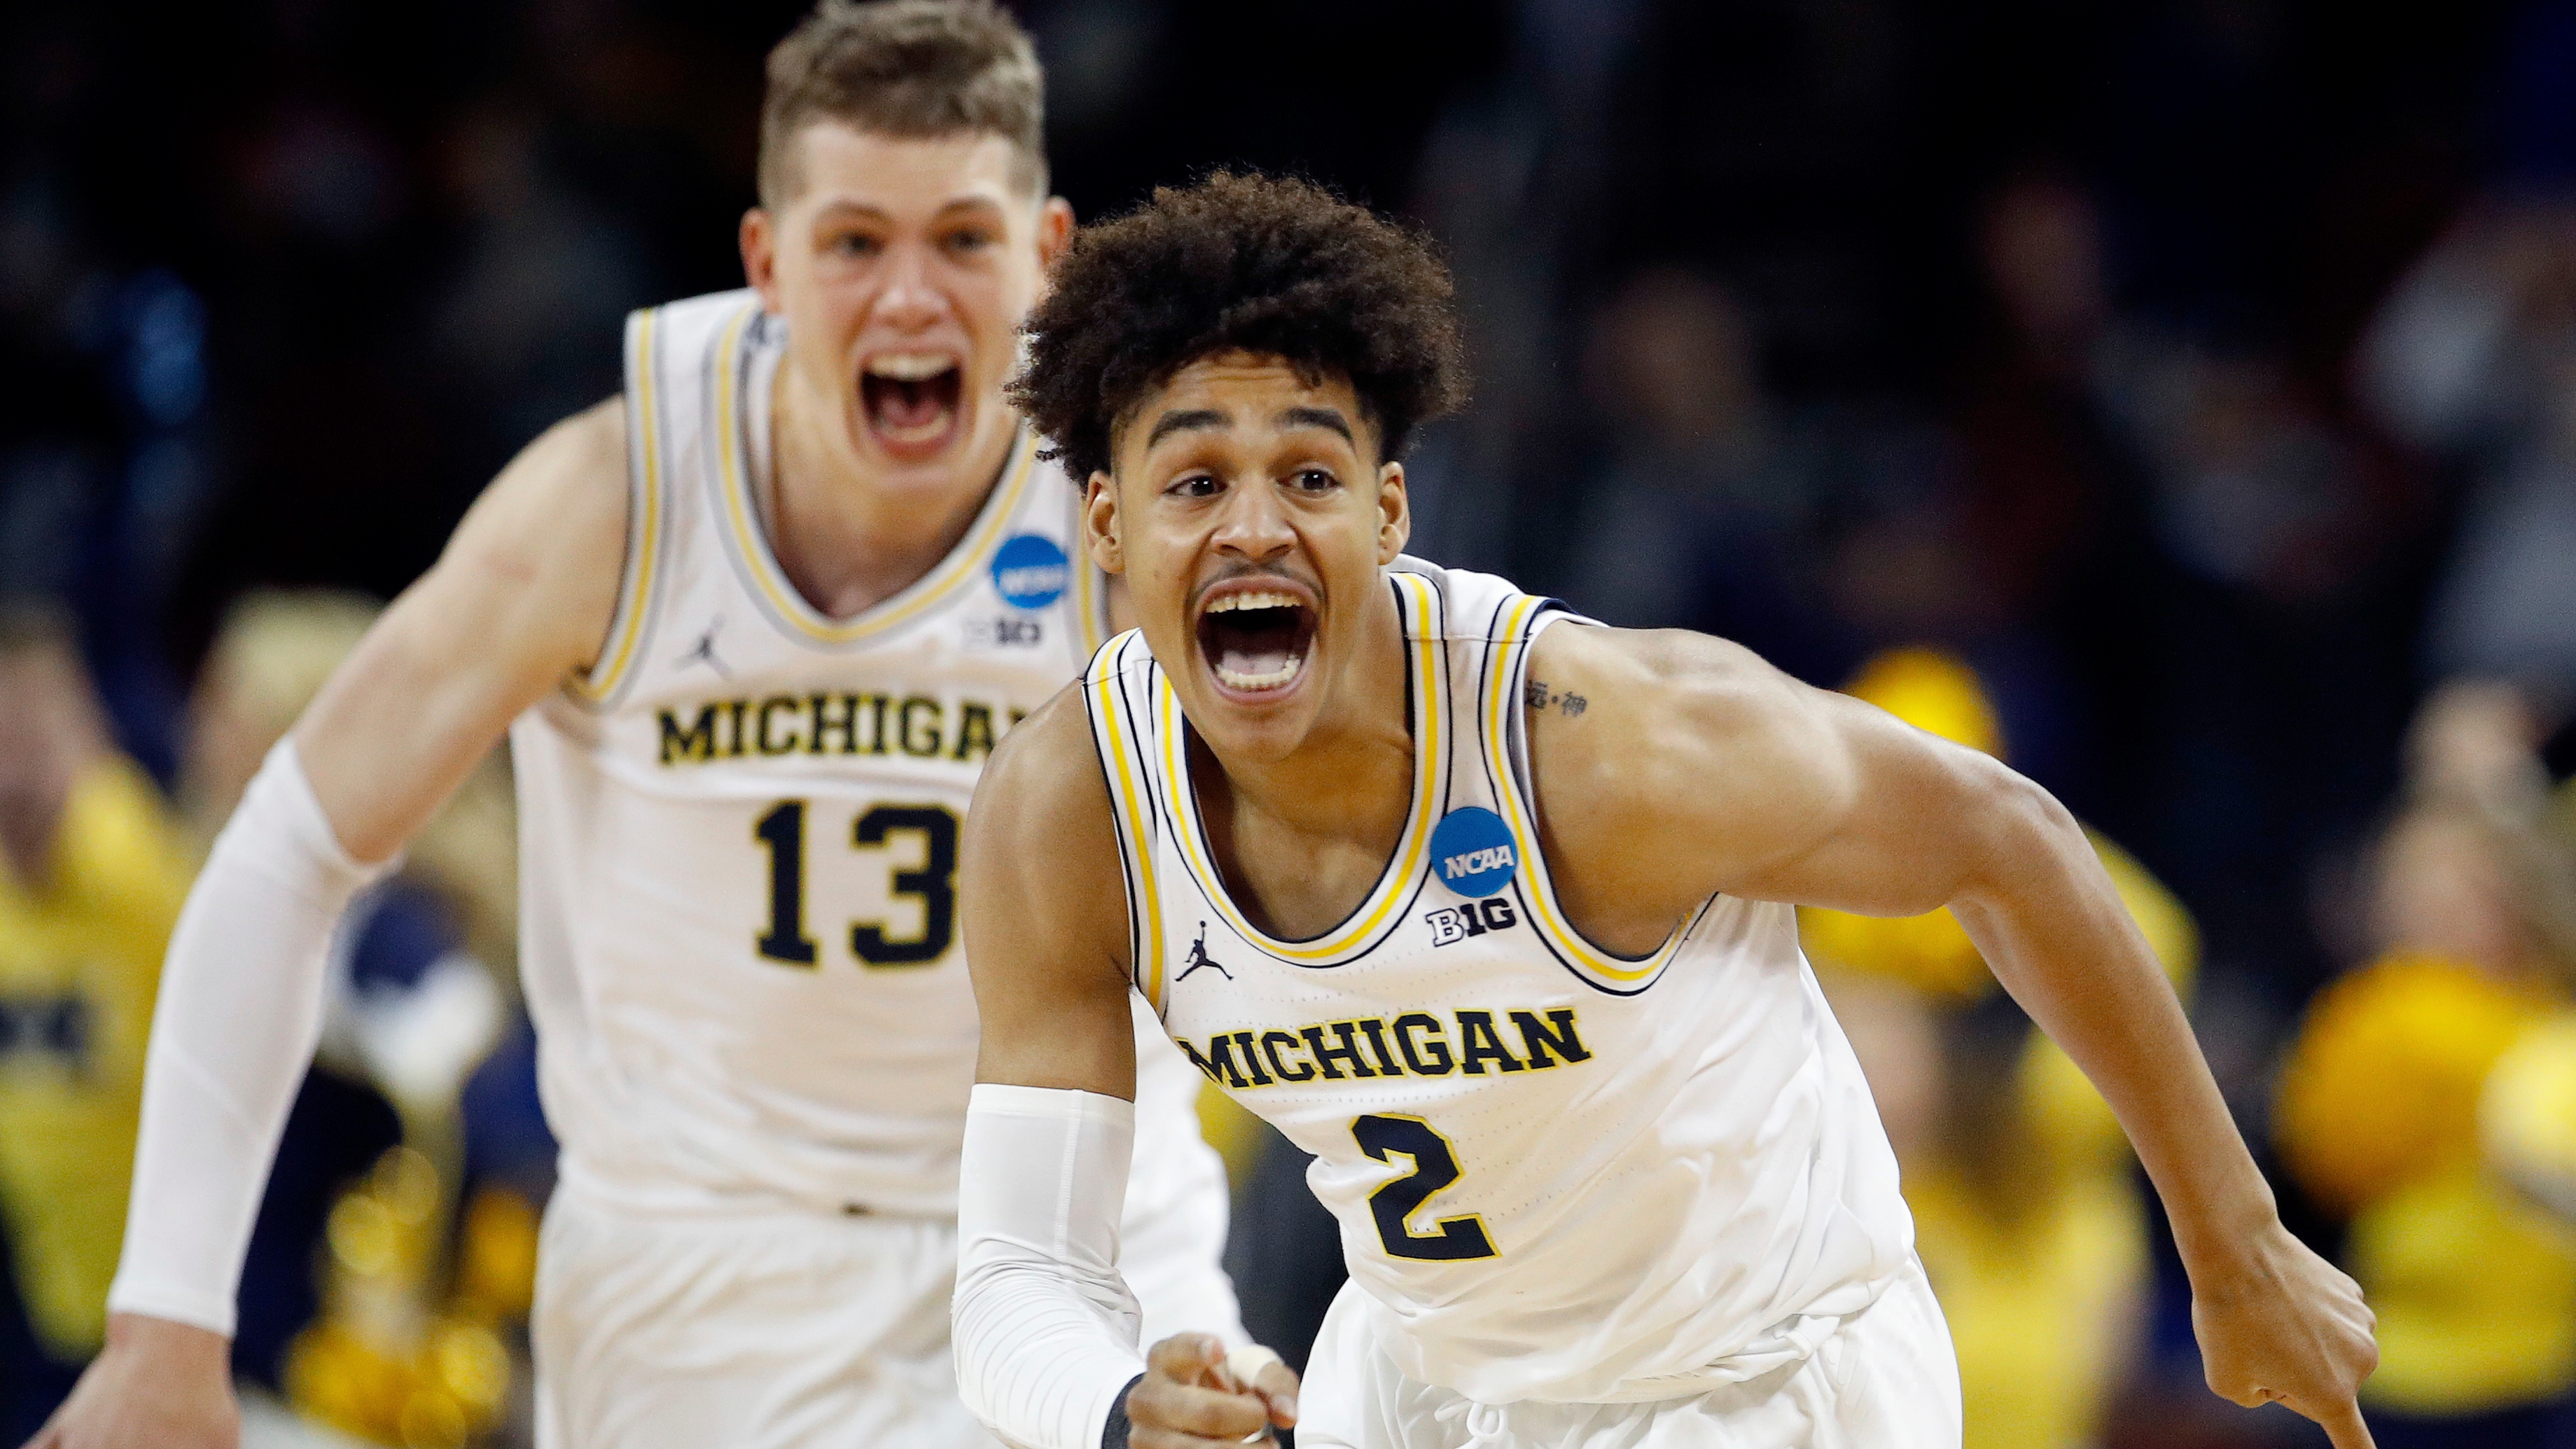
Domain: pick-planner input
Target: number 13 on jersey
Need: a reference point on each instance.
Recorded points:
(933, 882)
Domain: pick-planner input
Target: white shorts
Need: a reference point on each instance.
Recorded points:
(1886, 1379)
(777, 1331)
(783, 1329)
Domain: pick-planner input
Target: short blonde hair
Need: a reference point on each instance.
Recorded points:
(908, 68)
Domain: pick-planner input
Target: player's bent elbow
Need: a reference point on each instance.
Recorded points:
(2022, 830)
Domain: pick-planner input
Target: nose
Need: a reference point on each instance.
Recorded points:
(908, 301)
(1253, 527)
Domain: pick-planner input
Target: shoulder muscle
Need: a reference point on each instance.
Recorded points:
(1669, 765)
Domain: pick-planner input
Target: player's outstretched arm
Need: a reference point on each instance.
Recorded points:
(1691, 766)
(522, 595)
(1044, 1330)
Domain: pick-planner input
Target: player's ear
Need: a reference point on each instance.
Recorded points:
(1100, 524)
(759, 241)
(1055, 230)
(1395, 512)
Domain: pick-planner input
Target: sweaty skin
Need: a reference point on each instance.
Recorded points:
(889, 245)
(1669, 766)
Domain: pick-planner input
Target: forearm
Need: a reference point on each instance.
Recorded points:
(2053, 929)
(1171, 1236)
(239, 1010)
(1044, 1329)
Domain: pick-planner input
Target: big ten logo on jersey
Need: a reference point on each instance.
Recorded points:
(847, 722)
(1005, 631)
(1475, 918)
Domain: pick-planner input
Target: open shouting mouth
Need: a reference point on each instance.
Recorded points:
(911, 400)
(1256, 635)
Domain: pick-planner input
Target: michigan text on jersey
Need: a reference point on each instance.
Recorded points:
(1416, 1044)
(846, 724)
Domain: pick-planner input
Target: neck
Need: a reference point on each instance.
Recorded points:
(849, 532)
(1350, 778)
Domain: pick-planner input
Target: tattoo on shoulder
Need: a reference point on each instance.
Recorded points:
(1535, 694)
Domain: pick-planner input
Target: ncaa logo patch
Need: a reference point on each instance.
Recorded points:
(1030, 571)
(1472, 851)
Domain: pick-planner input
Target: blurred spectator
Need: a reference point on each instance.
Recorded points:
(525, 330)
(93, 868)
(2044, 467)
(2474, 359)
(2028, 1213)
(414, 1010)
(1684, 492)
(2378, 1115)
(2054, 512)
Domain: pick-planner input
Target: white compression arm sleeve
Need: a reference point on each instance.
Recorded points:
(1044, 1328)
(1171, 1236)
(239, 1010)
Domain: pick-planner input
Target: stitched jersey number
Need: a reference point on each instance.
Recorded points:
(1435, 1167)
(782, 833)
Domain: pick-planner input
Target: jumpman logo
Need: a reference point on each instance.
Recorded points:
(1199, 957)
(704, 652)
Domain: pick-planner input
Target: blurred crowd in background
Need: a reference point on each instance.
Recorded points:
(2176, 397)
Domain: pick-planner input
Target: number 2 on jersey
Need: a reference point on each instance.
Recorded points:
(1435, 1167)
(782, 833)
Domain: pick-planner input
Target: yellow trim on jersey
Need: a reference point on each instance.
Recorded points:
(1538, 891)
(961, 564)
(635, 594)
(1430, 771)
(1127, 789)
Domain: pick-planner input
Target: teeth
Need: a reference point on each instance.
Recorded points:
(918, 432)
(910, 366)
(1233, 679)
(1231, 602)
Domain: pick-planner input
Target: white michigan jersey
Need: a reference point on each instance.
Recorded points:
(1560, 1173)
(739, 831)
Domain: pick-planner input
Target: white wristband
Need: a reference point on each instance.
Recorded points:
(233, 1029)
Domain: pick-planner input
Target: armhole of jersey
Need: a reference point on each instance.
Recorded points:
(1121, 753)
(1503, 724)
(646, 506)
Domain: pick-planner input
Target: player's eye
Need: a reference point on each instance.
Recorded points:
(969, 242)
(1314, 480)
(1194, 485)
(853, 244)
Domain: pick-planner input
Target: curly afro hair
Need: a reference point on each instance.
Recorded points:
(1240, 263)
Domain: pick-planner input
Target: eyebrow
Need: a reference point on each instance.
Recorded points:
(1329, 418)
(1176, 421)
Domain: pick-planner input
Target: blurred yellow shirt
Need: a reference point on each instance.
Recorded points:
(2043, 1299)
(2378, 1115)
(79, 962)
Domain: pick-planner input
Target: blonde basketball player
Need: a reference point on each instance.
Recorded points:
(1489, 909)
(753, 630)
